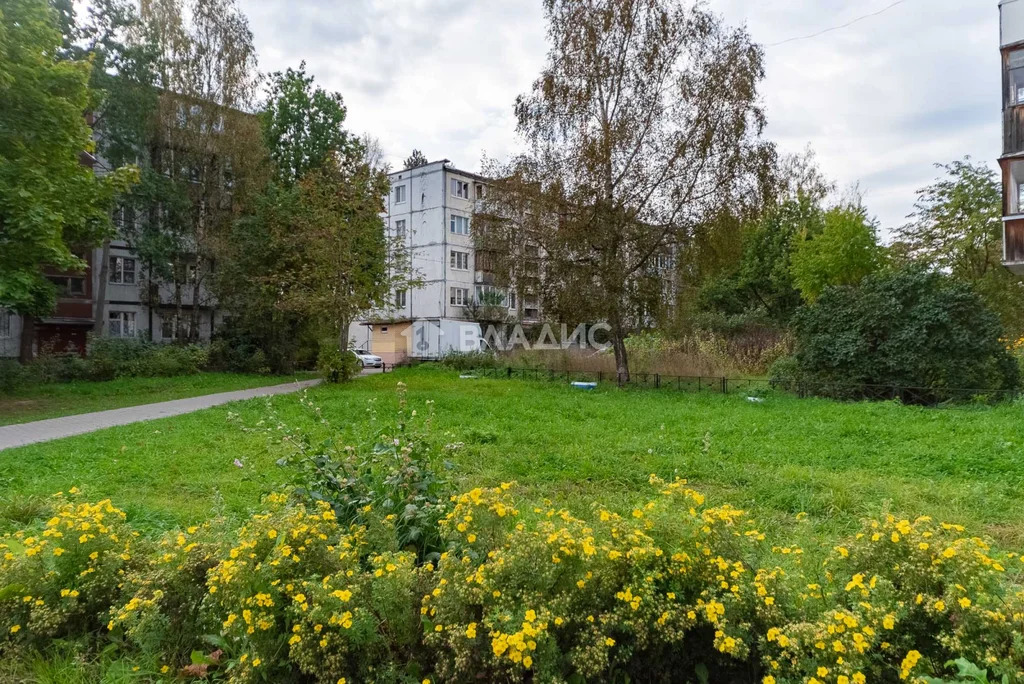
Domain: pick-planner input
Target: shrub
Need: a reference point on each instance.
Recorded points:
(334, 365)
(908, 328)
(678, 589)
(462, 361)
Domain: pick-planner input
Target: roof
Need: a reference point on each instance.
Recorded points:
(445, 165)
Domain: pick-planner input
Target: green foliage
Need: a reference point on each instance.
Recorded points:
(845, 251)
(415, 160)
(957, 228)
(335, 365)
(911, 328)
(396, 473)
(107, 358)
(764, 277)
(461, 361)
(302, 125)
(523, 592)
(49, 202)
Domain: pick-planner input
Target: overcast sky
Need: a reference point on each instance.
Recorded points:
(880, 101)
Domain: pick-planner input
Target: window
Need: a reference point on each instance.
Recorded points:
(5, 324)
(400, 299)
(1015, 78)
(68, 286)
(459, 225)
(399, 194)
(122, 270)
(458, 296)
(488, 295)
(1015, 187)
(121, 324)
(479, 191)
(460, 188)
(460, 260)
(169, 325)
(664, 262)
(400, 229)
(512, 299)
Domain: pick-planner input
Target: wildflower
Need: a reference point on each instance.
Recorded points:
(15, 629)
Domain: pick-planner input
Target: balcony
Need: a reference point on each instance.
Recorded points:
(1013, 244)
(1013, 130)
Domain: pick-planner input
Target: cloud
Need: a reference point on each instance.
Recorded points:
(881, 101)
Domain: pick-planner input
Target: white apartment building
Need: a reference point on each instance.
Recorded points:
(430, 210)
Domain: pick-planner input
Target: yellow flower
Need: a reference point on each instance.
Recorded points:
(15, 629)
(609, 642)
(165, 669)
(256, 662)
(859, 678)
(965, 602)
(768, 680)
(527, 662)
(940, 605)
(531, 616)
(822, 671)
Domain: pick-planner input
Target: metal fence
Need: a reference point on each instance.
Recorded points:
(923, 396)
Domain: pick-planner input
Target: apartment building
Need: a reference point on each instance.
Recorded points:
(137, 302)
(429, 211)
(1011, 39)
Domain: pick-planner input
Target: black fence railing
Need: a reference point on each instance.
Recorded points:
(924, 396)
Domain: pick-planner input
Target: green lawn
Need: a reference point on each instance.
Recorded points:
(65, 399)
(836, 462)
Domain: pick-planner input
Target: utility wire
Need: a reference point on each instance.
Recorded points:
(841, 26)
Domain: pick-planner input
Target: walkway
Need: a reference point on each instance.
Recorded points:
(55, 428)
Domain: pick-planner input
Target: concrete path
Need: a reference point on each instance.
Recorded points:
(55, 428)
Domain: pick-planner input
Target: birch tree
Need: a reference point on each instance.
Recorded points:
(638, 125)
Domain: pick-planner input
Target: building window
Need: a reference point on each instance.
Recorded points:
(1015, 78)
(1015, 187)
(122, 270)
(400, 229)
(460, 260)
(68, 286)
(121, 324)
(399, 194)
(458, 296)
(400, 299)
(664, 262)
(170, 323)
(479, 191)
(459, 225)
(5, 324)
(460, 188)
(512, 299)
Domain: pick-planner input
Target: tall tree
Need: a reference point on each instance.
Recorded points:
(311, 251)
(842, 253)
(51, 204)
(415, 160)
(956, 227)
(645, 111)
(302, 125)
(206, 144)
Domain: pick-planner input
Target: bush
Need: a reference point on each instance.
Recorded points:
(908, 328)
(676, 590)
(334, 365)
(462, 361)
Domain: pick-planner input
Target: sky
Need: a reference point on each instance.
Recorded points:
(880, 102)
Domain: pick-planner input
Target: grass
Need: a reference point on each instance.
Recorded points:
(836, 462)
(65, 399)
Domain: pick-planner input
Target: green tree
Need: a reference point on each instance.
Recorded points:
(302, 125)
(845, 251)
(957, 228)
(645, 112)
(51, 204)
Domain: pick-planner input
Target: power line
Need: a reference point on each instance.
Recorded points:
(841, 26)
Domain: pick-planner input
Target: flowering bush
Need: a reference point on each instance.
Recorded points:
(57, 578)
(676, 589)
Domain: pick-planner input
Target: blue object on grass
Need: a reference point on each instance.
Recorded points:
(585, 385)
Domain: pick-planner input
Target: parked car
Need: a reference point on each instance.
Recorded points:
(366, 359)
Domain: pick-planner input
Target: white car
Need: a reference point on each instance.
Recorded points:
(366, 359)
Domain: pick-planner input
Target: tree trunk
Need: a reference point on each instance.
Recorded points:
(177, 301)
(193, 328)
(619, 347)
(28, 338)
(100, 315)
